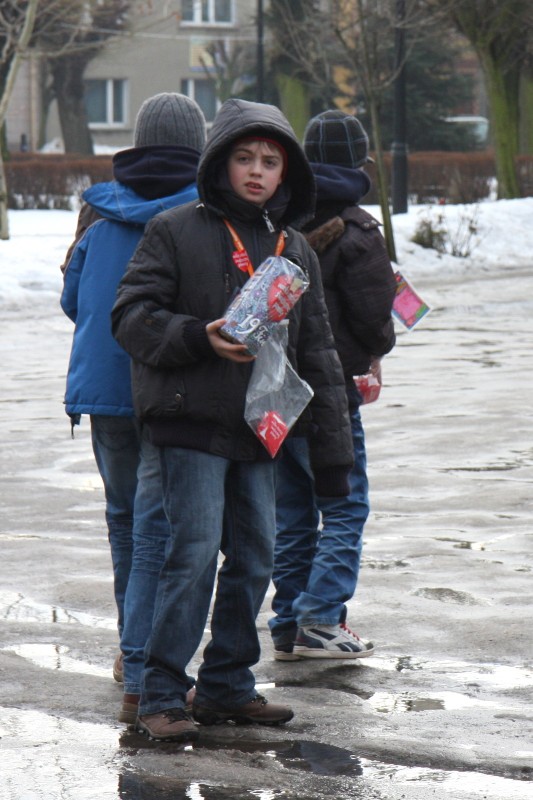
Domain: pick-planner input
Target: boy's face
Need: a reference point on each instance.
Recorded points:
(255, 170)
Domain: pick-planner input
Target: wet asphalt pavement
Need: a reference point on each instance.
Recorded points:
(444, 708)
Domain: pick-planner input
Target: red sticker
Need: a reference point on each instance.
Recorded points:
(282, 296)
(242, 262)
(272, 431)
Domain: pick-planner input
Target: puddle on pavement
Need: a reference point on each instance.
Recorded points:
(15, 606)
(54, 656)
(339, 676)
(496, 676)
(47, 756)
(389, 703)
(133, 787)
(489, 544)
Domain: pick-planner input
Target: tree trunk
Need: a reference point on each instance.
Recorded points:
(4, 224)
(526, 115)
(383, 193)
(68, 86)
(371, 98)
(294, 102)
(7, 90)
(502, 90)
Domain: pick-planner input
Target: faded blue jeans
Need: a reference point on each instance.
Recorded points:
(138, 530)
(316, 570)
(213, 504)
(150, 537)
(115, 443)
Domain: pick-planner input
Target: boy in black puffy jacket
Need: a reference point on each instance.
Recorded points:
(189, 387)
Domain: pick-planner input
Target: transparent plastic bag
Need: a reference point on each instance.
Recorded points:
(368, 387)
(264, 301)
(276, 394)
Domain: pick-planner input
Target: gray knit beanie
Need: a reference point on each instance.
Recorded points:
(334, 137)
(170, 119)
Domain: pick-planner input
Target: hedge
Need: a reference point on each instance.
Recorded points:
(445, 177)
(51, 180)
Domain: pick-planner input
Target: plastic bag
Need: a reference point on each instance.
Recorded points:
(276, 394)
(265, 300)
(368, 387)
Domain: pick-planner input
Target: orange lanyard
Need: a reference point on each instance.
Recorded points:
(241, 257)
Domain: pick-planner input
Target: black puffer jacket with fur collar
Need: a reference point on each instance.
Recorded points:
(359, 286)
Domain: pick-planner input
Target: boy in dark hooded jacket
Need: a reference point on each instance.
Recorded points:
(158, 173)
(189, 388)
(316, 566)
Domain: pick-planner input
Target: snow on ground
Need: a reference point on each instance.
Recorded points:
(502, 237)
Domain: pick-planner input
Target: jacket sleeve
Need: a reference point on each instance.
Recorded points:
(144, 320)
(330, 440)
(366, 285)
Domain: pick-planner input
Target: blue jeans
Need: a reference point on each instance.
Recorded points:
(316, 571)
(150, 536)
(115, 443)
(138, 531)
(212, 504)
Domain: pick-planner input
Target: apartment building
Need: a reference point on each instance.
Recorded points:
(168, 48)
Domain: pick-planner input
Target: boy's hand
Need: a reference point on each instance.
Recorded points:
(375, 369)
(223, 348)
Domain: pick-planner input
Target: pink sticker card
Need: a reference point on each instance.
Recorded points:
(408, 306)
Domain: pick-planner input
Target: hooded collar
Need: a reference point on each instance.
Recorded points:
(337, 188)
(345, 185)
(156, 170)
(293, 203)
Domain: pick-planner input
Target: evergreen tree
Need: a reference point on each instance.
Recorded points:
(434, 90)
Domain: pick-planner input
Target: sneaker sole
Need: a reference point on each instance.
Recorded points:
(186, 737)
(207, 717)
(309, 652)
(281, 655)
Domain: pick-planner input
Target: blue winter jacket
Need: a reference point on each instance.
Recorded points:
(98, 379)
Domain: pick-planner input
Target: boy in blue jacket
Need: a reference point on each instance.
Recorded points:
(158, 173)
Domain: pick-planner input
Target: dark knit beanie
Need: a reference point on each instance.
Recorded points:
(170, 119)
(334, 137)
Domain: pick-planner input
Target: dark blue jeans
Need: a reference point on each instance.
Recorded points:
(138, 531)
(316, 570)
(150, 536)
(212, 504)
(115, 443)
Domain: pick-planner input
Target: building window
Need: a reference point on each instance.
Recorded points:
(105, 101)
(207, 12)
(203, 91)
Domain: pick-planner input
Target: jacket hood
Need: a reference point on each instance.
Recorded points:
(239, 119)
(116, 201)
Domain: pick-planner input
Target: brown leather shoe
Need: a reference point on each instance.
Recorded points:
(118, 668)
(171, 725)
(258, 711)
(130, 706)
